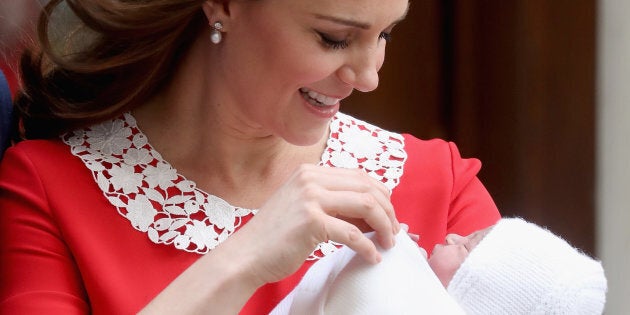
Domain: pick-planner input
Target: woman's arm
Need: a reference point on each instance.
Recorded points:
(276, 242)
(38, 273)
(39, 265)
(218, 283)
(472, 208)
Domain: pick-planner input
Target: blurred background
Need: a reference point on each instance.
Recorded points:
(17, 28)
(538, 90)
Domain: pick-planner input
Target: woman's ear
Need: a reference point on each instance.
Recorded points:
(216, 10)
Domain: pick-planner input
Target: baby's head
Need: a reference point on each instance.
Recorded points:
(518, 267)
(448, 257)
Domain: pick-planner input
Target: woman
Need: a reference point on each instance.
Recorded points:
(192, 158)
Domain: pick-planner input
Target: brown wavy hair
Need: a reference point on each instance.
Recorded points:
(99, 58)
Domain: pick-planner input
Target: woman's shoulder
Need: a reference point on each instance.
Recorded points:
(430, 152)
(39, 148)
(400, 157)
(40, 156)
(437, 151)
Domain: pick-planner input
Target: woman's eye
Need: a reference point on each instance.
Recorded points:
(329, 42)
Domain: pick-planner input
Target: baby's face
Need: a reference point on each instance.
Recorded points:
(446, 258)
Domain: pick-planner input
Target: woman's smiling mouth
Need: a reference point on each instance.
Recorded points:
(318, 99)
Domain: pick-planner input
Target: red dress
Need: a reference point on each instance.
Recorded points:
(68, 247)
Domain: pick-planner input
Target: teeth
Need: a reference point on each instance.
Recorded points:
(320, 98)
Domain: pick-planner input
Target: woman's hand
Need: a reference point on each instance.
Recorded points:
(317, 204)
(314, 205)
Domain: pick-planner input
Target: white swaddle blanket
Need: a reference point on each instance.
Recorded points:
(343, 283)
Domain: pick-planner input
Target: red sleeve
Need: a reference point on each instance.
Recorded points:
(32, 246)
(439, 192)
(472, 207)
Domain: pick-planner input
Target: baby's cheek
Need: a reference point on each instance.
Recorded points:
(446, 261)
(443, 270)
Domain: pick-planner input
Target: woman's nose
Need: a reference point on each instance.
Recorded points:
(361, 71)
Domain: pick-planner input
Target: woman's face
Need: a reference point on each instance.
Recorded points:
(447, 258)
(286, 64)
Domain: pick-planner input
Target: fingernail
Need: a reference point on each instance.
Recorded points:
(378, 257)
(404, 227)
(414, 237)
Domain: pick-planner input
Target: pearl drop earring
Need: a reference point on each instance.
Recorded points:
(215, 34)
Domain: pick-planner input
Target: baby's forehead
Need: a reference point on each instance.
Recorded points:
(476, 237)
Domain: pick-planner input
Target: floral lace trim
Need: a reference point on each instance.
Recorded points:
(148, 191)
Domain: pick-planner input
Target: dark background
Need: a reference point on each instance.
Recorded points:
(511, 83)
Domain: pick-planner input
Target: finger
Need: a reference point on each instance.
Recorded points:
(361, 206)
(341, 177)
(404, 227)
(383, 195)
(414, 237)
(351, 180)
(345, 233)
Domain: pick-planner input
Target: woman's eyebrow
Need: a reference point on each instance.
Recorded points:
(344, 21)
(355, 23)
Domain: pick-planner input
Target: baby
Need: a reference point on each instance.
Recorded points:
(516, 267)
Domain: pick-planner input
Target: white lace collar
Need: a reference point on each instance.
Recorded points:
(148, 191)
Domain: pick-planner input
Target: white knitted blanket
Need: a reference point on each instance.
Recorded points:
(343, 283)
